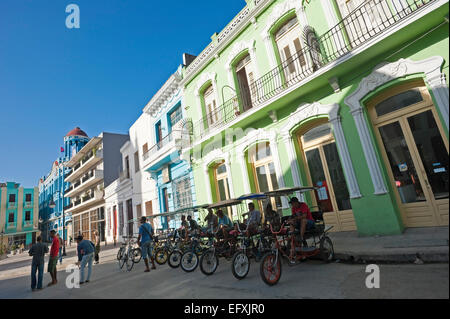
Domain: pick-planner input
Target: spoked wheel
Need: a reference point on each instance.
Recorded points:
(189, 261)
(137, 255)
(240, 265)
(161, 256)
(270, 269)
(122, 260)
(326, 249)
(209, 262)
(175, 258)
(119, 254)
(129, 260)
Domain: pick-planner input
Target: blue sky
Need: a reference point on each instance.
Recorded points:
(98, 77)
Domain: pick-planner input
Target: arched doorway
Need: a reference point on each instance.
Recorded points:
(415, 152)
(324, 170)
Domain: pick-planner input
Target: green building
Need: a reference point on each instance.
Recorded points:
(350, 96)
(19, 214)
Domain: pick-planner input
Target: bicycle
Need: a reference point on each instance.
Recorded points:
(126, 254)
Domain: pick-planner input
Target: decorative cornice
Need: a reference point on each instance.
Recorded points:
(277, 12)
(164, 94)
(238, 48)
(386, 72)
(205, 77)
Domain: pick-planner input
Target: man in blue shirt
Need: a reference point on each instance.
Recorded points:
(226, 223)
(85, 251)
(145, 241)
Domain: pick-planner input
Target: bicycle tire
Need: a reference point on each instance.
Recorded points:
(240, 265)
(266, 267)
(189, 261)
(119, 253)
(175, 259)
(122, 261)
(326, 249)
(137, 255)
(209, 258)
(161, 256)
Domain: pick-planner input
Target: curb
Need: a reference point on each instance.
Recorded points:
(393, 258)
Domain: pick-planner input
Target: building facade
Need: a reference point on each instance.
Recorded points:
(350, 96)
(19, 214)
(93, 168)
(161, 159)
(52, 187)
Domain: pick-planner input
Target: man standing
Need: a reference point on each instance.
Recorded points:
(60, 248)
(38, 251)
(97, 246)
(254, 219)
(53, 260)
(146, 234)
(85, 251)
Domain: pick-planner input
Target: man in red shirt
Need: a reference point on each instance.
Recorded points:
(53, 260)
(301, 216)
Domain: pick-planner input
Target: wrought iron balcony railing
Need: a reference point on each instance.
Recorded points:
(369, 20)
(155, 148)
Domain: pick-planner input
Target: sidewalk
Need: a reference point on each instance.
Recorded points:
(428, 244)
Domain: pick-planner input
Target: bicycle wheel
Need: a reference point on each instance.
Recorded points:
(209, 262)
(189, 261)
(326, 249)
(129, 260)
(122, 260)
(240, 265)
(175, 258)
(137, 255)
(270, 269)
(161, 256)
(119, 253)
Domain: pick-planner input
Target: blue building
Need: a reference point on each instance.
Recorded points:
(173, 175)
(52, 187)
(18, 214)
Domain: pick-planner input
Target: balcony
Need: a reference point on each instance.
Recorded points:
(366, 23)
(171, 142)
(11, 205)
(86, 201)
(84, 165)
(28, 223)
(87, 181)
(28, 205)
(124, 175)
(11, 225)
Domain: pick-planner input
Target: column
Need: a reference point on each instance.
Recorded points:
(369, 151)
(278, 170)
(242, 162)
(347, 165)
(208, 185)
(295, 170)
(439, 88)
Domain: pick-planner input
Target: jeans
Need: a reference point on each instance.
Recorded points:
(147, 249)
(40, 269)
(87, 259)
(60, 255)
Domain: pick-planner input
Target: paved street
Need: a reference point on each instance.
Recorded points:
(311, 279)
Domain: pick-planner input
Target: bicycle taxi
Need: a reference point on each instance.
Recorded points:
(289, 246)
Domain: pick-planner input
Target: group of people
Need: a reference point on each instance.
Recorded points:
(87, 252)
(300, 219)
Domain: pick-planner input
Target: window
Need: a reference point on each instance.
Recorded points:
(165, 199)
(183, 196)
(120, 219)
(145, 148)
(12, 198)
(245, 76)
(28, 215)
(176, 116)
(127, 166)
(138, 211)
(222, 187)
(289, 47)
(149, 211)
(28, 197)
(11, 218)
(212, 112)
(158, 133)
(130, 222)
(136, 162)
(264, 170)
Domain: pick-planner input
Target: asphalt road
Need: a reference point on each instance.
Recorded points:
(311, 279)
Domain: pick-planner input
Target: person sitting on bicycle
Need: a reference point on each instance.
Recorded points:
(184, 229)
(211, 220)
(253, 220)
(272, 217)
(301, 216)
(146, 233)
(225, 223)
(193, 226)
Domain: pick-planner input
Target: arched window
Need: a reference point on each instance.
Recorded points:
(288, 43)
(211, 107)
(246, 78)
